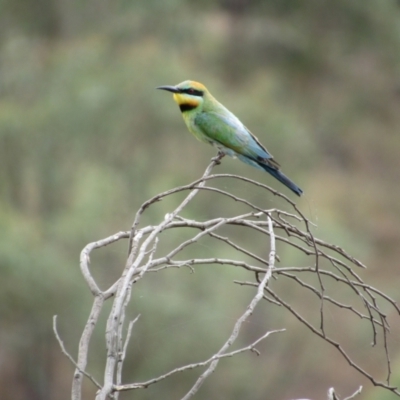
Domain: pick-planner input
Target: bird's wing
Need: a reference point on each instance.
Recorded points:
(231, 133)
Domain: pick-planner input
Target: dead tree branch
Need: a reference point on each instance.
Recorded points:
(328, 266)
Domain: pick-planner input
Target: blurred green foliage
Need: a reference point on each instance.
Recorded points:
(85, 139)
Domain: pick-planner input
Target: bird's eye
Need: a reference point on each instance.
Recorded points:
(193, 92)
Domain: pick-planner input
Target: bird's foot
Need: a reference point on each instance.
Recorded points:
(217, 159)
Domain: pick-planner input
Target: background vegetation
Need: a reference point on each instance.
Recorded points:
(85, 139)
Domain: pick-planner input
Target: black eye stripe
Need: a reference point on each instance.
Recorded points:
(193, 92)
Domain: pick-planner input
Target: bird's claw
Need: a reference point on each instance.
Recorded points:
(217, 159)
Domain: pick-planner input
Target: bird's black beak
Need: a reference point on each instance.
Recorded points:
(172, 89)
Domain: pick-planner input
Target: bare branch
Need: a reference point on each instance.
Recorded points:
(333, 343)
(355, 394)
(146, 384)
(85, 258)
(65, 352)
(327, 263)
(250, 309)
(124, 349)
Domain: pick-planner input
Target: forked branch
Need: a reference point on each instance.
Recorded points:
(327, 266)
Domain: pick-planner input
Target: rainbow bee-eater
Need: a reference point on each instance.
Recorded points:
(212, 123)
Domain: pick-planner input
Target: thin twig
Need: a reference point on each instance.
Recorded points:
(329, 263)
(65, 352)
(146, 384)
(335, 344)
(122, 355)
(83, 348)
(250, 309)
(355, 394)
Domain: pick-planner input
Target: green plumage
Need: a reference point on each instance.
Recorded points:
(212, 123)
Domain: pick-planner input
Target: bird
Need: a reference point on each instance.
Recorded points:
(210, 122)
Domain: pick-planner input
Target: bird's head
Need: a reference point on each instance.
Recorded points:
(188, 94)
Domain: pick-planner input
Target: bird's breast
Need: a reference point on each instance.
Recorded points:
(189, 118)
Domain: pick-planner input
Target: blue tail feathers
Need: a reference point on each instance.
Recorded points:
(283, 179)
(275, 172)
